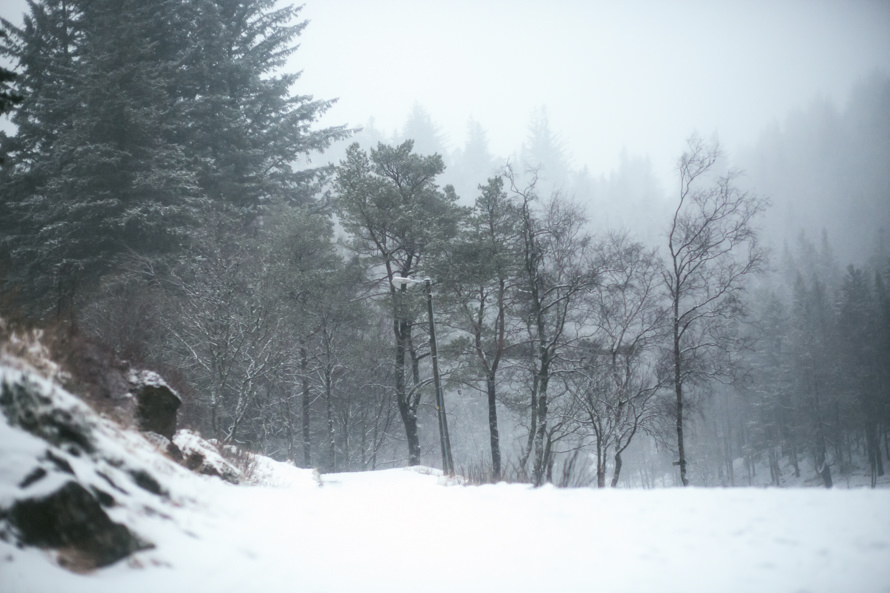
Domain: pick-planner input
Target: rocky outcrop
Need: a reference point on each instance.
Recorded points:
(203, 457)
(71, 518)
(156, 403)
(62, 474)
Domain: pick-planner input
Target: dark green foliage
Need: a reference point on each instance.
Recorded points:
(138, 119)
(8, 97)
(389, 202)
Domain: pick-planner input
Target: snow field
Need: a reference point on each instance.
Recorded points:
(412, 530)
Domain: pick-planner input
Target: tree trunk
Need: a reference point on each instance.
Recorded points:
(794, 461)
(533, 428)
(617, 471)
(332, 443)
(822, 467)
(678, 388)
(600, 465)
(493, 430)
(408, 415)
(873, 451)
(214, 420)
(541, 439)
(887, 443)
(774, 473)
(681, 449)
(307, 440)
(548, 458)
(289, 425)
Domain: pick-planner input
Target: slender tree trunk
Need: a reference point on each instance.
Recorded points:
(600, 464)
(678, 388)
(617, 471)
(541, 432)
(548, 457)
(887, 443)
(873, 450)
(307, 440)
(332, 443)
(289, 426)
(822, 466)
(408, 415)
(214, 420)
(493, 429)
(774, 473)
(533, 427)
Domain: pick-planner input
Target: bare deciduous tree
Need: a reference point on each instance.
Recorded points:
(712, 246)
(556, 271)
(615, 380)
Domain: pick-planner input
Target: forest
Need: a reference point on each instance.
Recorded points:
(166, 192)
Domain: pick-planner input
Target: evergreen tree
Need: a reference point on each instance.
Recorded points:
(389, 202)
(8, 97)
(479, 273)
(139, 118)
(859, 336)
(812, 322)
(472, 163)
(543, 152)
(247, 129)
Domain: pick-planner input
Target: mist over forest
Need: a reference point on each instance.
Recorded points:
(174, 193)
(822, 165)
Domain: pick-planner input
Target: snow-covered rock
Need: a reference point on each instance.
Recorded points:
(204, 458)
(156, 402)
(66, 473)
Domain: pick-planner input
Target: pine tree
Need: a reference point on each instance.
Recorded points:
(479, 273)
(250, 134)
(389, 202)
(812, 339)
(859, 337)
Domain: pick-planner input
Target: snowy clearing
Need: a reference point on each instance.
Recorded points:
(410, 530)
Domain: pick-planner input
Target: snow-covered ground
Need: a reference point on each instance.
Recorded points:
(413, 530)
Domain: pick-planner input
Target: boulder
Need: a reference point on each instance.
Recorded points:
(156, 403)
(61, 467)
(27, 405)
(203, 457)
(72, 518)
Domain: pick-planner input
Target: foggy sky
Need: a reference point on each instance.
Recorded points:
(639, 76)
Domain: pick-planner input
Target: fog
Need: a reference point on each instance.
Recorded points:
(635, 76)
(621, 85)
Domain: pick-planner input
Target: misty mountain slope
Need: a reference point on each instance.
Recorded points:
(412, 530)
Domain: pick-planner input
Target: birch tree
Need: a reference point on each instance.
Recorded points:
(615, 380)
(555, 273)
(712, 246)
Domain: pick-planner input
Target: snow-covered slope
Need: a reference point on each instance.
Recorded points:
(413, 530)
